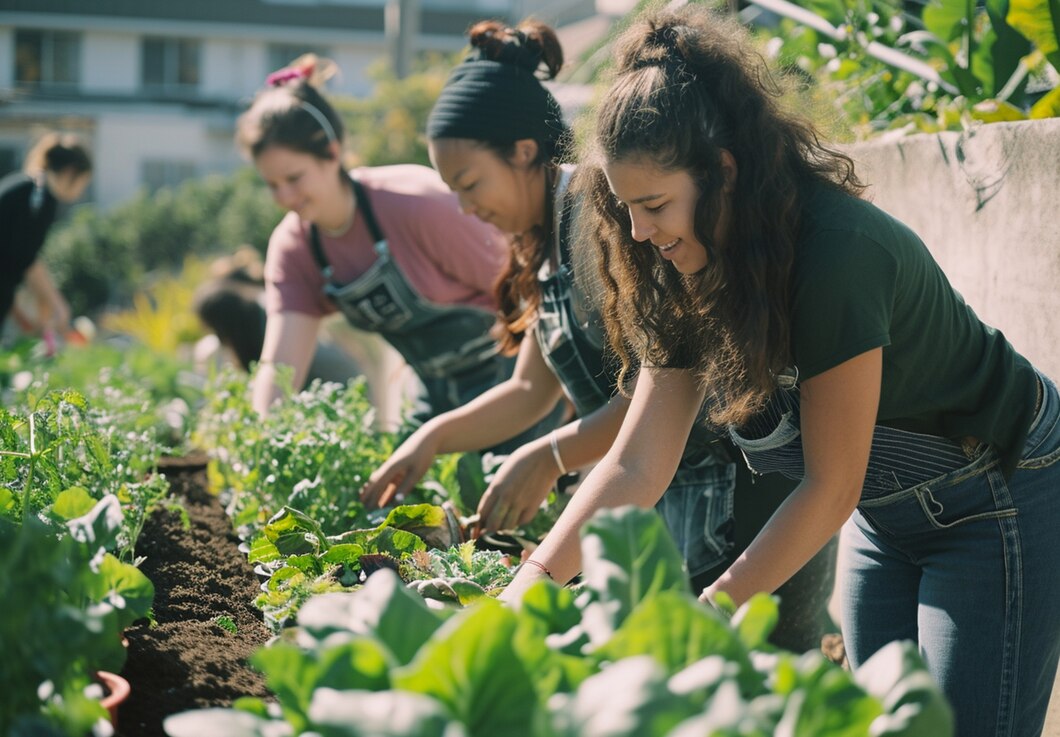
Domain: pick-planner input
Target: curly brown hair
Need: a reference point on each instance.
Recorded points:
(532, 44)
(686, 86)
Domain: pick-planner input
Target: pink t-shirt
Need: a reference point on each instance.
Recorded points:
(447, 257)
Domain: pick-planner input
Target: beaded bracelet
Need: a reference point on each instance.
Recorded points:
(534, 563)
(553, 442)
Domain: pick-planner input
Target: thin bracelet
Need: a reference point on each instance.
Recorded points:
(553, 442)
(533, 562)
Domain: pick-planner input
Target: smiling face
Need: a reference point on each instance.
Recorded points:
(662, 205)
(508, 194)
(304, 184)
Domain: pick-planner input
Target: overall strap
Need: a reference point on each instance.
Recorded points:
(365, 206)
(318, 252)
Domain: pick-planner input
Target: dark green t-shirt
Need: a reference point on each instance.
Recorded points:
(862, 280)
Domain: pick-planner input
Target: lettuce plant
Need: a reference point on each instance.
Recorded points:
(632, 653)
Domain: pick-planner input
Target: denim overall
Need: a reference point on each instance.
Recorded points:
(698, 504)
(945, 551)
(448, 346)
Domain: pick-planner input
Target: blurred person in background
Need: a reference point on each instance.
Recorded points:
(231, 306)
(57, 170)
(387, 246)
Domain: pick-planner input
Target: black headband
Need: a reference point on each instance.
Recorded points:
(494, 101)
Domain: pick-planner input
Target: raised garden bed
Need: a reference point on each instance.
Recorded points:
(206, 622)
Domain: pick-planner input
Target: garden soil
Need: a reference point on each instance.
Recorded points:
(186, 660)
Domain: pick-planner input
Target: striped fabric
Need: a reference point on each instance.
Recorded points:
(899, 459)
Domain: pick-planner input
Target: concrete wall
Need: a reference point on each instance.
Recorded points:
(987, 204)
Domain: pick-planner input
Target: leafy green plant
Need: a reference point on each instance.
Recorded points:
(61, 458)
(381, 661)
(883, 68)
(140, 398)
(70, 602)
(312, 453)
(301, 561)
(487, 568)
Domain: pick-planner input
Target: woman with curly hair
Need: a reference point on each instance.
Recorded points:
(743, 273)
(497, 138)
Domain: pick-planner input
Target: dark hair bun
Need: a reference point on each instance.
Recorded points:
(528, 45)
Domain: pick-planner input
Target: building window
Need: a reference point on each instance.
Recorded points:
(170, 64)
(47, 58)
(280, 55)
(159, 173)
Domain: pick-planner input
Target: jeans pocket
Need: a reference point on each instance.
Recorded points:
(779, 451)
(938, 502)
(969, 500)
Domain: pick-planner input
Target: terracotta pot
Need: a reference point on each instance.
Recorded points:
(117, 691)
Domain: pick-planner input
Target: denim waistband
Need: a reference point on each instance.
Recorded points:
(898, 459)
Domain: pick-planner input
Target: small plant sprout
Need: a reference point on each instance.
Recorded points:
(226, 623)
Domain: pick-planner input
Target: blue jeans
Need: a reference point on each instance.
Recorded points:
(968, 566)
(697, 509)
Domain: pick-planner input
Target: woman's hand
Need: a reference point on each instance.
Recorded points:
(55, 314)
(405, 467)
(518, 488)
(526, 577)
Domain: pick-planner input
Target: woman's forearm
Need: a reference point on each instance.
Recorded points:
(503, 411)
(607, 485)
(586, 440)
(638, 467)
(494, 416)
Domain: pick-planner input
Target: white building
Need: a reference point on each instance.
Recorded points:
(155, 86)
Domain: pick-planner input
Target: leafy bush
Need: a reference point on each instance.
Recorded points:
(61, 458)
(995, 61)
(380, 661)
(70, 602)
(387, 127)
(101, 258)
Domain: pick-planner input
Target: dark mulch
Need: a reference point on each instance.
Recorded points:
(187, 661)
